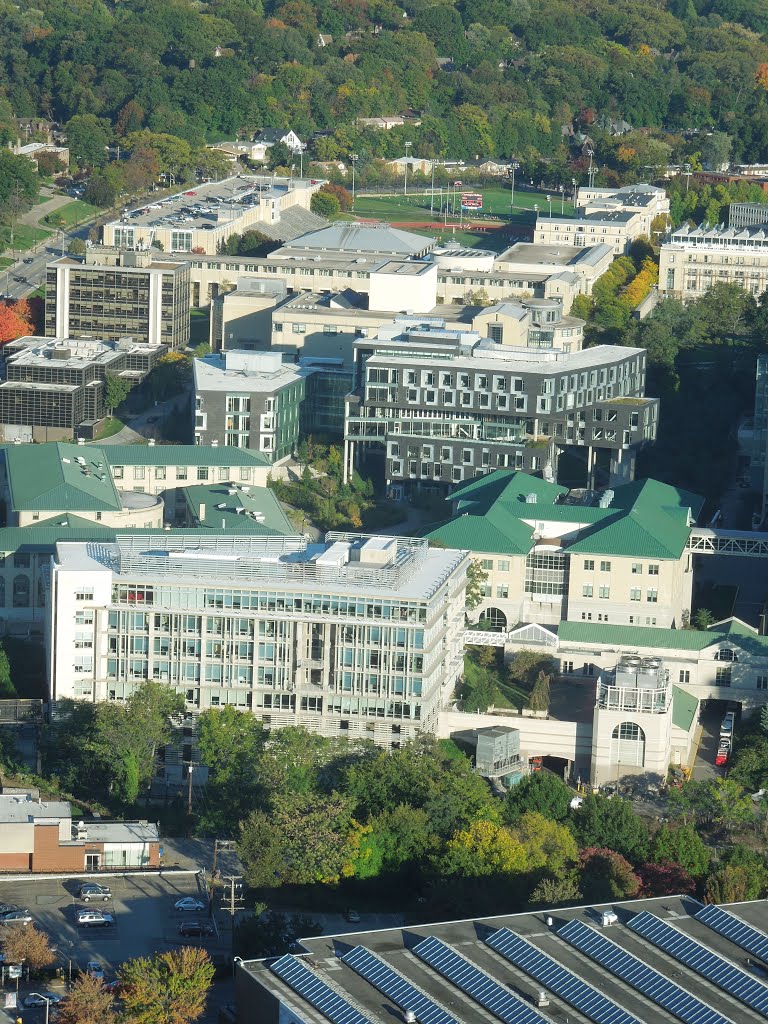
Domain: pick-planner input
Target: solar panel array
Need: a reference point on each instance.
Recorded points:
(557, 979)
(702, 960)
(737, 931)
(473, 982)
(395, 987)
(309, 986)
(634, 972)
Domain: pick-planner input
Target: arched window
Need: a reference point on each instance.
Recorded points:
(21, 591)
(496, 619)
(628, 745)
(727, 654)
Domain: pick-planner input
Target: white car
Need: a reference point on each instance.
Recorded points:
(190, 903)
(94, 968)
(34, 999)
(94, 919)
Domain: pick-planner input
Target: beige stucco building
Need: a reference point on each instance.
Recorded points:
(553, 555)
(694, 259)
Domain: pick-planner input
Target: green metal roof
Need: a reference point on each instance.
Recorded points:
(181, 455)
(49, 477)
(479, 533)
(636, 636)
(230, 506)
(684, 708)
(478, 495)
(644, 519)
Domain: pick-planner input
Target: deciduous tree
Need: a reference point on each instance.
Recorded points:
(116, 390)
(611, 822)
(88, 1002)
(168, 988)
(539, 792)
(29, 945)
(606, 875)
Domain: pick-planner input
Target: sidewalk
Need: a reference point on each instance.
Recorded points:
(33, 217)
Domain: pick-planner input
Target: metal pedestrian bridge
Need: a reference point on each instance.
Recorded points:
(728, 542)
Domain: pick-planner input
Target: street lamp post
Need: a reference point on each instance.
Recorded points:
(562, 200)
(687, 172)
(47, 1003)
(405, 176)
(549, 200)
(515, 166)
(189, 789)
(353, 157)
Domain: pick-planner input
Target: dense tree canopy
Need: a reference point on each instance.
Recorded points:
(509, 75)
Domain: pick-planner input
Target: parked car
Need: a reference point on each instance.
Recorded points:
(35, 999)
(94, 891)
(17, 917)
(352, 916)
(95, 969)
(188, 928)
(94, 919)
(28, 259)
(190, 903)
(7, 908)
(722, 754)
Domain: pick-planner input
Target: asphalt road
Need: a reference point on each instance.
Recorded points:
(32, 274)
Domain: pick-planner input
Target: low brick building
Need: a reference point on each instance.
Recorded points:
(40, 836)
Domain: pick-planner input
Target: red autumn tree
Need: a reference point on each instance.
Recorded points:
(15, 320)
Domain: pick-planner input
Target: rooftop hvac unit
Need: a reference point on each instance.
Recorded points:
(605, 499)
(410, 1017)
(221, 505)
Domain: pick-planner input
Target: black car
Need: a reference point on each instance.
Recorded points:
(7, 908)
(28, 259)
(188, 928)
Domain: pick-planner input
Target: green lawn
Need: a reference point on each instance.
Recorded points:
(503, 220)
(199, 326)
(24, 237)
(5, 261)
(71, 213)
(112, 425)
(496, 202)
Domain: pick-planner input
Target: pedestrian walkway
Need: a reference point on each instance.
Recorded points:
(32, 218)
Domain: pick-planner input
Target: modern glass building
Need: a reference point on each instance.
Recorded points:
(357, 636)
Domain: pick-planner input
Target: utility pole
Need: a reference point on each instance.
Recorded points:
(189, 789)
(405, 177)
(232, 901)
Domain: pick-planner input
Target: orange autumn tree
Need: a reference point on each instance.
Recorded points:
(16, 320)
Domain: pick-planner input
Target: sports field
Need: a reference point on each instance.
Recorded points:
(493, 227)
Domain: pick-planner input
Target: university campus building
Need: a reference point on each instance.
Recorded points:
(357, 636)
(116, 295)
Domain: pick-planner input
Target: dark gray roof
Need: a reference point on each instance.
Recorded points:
(468, 939)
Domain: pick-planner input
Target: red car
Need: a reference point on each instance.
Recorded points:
(722, 754)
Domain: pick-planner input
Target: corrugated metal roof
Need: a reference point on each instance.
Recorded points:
(237, 504)
(477, 533)
(684, 708)
(651, 637)
(49, 477)
(180, 455)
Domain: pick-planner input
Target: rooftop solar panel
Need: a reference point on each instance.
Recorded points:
(702, 960)
(634, 972)
(309, 986)
(737, 931)
(396, 987)
(557, 979)
(473, 982)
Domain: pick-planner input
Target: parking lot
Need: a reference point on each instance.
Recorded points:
(145, 920)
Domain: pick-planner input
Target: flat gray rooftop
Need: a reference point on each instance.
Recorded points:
(213, 203)
(466, 938)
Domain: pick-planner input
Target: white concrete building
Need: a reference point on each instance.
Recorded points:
(694, 259)
(358, 636)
